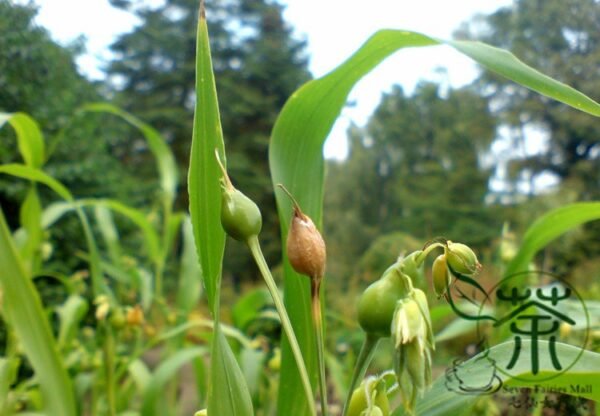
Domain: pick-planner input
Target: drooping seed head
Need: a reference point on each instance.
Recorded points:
(461, 259)
(440, 275)
(305, 246)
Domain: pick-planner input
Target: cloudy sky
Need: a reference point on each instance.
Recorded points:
(334, 29)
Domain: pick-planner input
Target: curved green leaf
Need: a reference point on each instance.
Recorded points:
(548, 227)
(444, 400)
(153, 391)
(296, 158)
(70, 314)
(190, 275)
(136, 216)
(22, 308)
(167, 168)
(29, 137)
(37, 175)
(31, 220)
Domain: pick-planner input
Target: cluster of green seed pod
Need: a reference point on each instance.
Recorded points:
(458, 260)
(391, 306)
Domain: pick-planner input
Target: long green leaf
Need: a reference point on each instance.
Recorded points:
(37, 175)
(167, 168)
(151, 239)
(228, 394)
(31, 221)
(443, 398)
(153, 391)
(296, 158)
(29, 137)
(550, 226)
(190, 275)
(22, 307)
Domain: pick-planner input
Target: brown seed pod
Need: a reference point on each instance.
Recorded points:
(305, 246)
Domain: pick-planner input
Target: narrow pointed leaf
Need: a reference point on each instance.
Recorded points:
(550, 226)
(446, 399)
(37, 175)
(167, 168)
(23, 309)
(228, 394)
(29, 137)
(155, 385)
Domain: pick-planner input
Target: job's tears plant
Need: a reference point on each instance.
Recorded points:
(392, 306)
(93, 365)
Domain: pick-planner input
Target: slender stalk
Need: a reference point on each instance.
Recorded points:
(109, 369)
(318, 324)
(362, 362)
(259, 258)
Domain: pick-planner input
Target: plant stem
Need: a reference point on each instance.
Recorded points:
(109, 369)
(318, 324)
(362, 362)
(259, 258)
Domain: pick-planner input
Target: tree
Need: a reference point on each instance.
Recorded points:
(257, 67)
(40, 78)
(415, 168)
(560, 38)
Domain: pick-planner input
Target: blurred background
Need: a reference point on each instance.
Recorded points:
(428, 146)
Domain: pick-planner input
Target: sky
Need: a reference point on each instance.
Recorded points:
(334, 29)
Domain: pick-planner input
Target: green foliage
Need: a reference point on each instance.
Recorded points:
(257, 66)
(418, 170)
(22, 309)
(297, 162)
(477, 371)
(561, 39)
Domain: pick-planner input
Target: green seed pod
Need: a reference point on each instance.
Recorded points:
(374, 411)
(461, 259)
(407, 322)
(377, 305)
(376, 389)
(419, 296)
(440, 275)
(240, 216)
(117, 319)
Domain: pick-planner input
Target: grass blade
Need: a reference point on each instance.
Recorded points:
(167, 168)
(228, 394)
(37, 175)
(29, 137)
(22, 307)
(190, 275)
(550, 226)
(154, 387)
(442, 401)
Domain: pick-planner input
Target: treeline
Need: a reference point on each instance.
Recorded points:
(420, 168)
